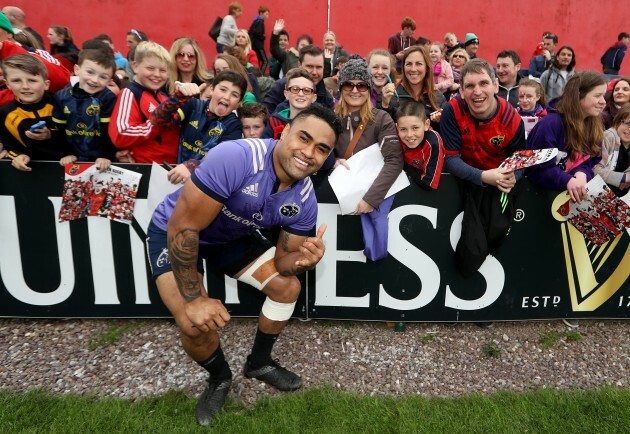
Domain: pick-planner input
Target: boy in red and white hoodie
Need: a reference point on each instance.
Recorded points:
(130, 128)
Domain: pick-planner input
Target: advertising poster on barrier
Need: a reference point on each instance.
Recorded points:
(602, 215)
(90, 193)
(98, 268)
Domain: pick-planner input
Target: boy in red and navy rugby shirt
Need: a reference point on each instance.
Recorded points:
(422, 147)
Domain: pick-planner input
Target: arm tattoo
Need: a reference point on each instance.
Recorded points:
(183, 249)
(285, 241)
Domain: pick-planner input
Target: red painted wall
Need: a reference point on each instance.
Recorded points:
(590, 27)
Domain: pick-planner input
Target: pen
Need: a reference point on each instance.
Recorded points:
(390, 80)
(166, 166)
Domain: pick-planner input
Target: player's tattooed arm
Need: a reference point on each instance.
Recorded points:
(183, 249)
(297, 254)
(288, 246)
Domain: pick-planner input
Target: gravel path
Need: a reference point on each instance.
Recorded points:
(428, 359)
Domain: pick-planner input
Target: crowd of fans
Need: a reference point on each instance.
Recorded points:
(430, 104)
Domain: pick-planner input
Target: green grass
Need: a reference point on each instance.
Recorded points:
(111, 335)
(491, 350)
(324, 410)
(549, 339)
(573, 336)
(427, 338)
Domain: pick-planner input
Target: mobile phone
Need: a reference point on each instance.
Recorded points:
(37, 126)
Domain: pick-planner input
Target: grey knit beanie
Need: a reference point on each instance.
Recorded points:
(356, 68)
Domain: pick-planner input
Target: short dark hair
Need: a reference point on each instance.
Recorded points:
(311, 50)
(622, 35)
(511, 54)
(254, 110)
(477, 66)
(283, 32)
(296, 73)
(324, 114)
(104, 37)
(421, 40)
(98, 56)
(97, 44)
(412, 108)
(304, 36)
(231, 77)
(551, 36)
(622, 115)
(262, 9)
(341, 60)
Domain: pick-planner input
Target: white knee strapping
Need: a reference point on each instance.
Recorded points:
(248, 275)
(277, 311)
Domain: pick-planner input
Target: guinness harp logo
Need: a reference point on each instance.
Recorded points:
(595, 273)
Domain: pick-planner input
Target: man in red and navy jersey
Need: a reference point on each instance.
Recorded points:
(479, 131)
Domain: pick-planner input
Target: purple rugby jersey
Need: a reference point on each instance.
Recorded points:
(240, 174)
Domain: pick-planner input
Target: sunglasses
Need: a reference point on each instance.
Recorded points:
(297, 89)
(181, 55)
(361, 87)
(461, 56)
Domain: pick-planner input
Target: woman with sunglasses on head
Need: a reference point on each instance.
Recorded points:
(417, 84)
(188, 64)
(134, 37)
(365, 126)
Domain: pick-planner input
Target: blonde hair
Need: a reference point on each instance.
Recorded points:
(200, 67)
(151, 49)
(366, 113)
(459, 51)
(330, 32)
(248, 45)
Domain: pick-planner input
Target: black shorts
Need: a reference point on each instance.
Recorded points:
(229, 258)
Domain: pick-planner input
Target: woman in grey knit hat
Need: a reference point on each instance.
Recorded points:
(359, 116)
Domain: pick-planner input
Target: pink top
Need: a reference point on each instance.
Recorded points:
(444, 80)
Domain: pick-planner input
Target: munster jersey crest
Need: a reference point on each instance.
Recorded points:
(497, 140)
(290, 209)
